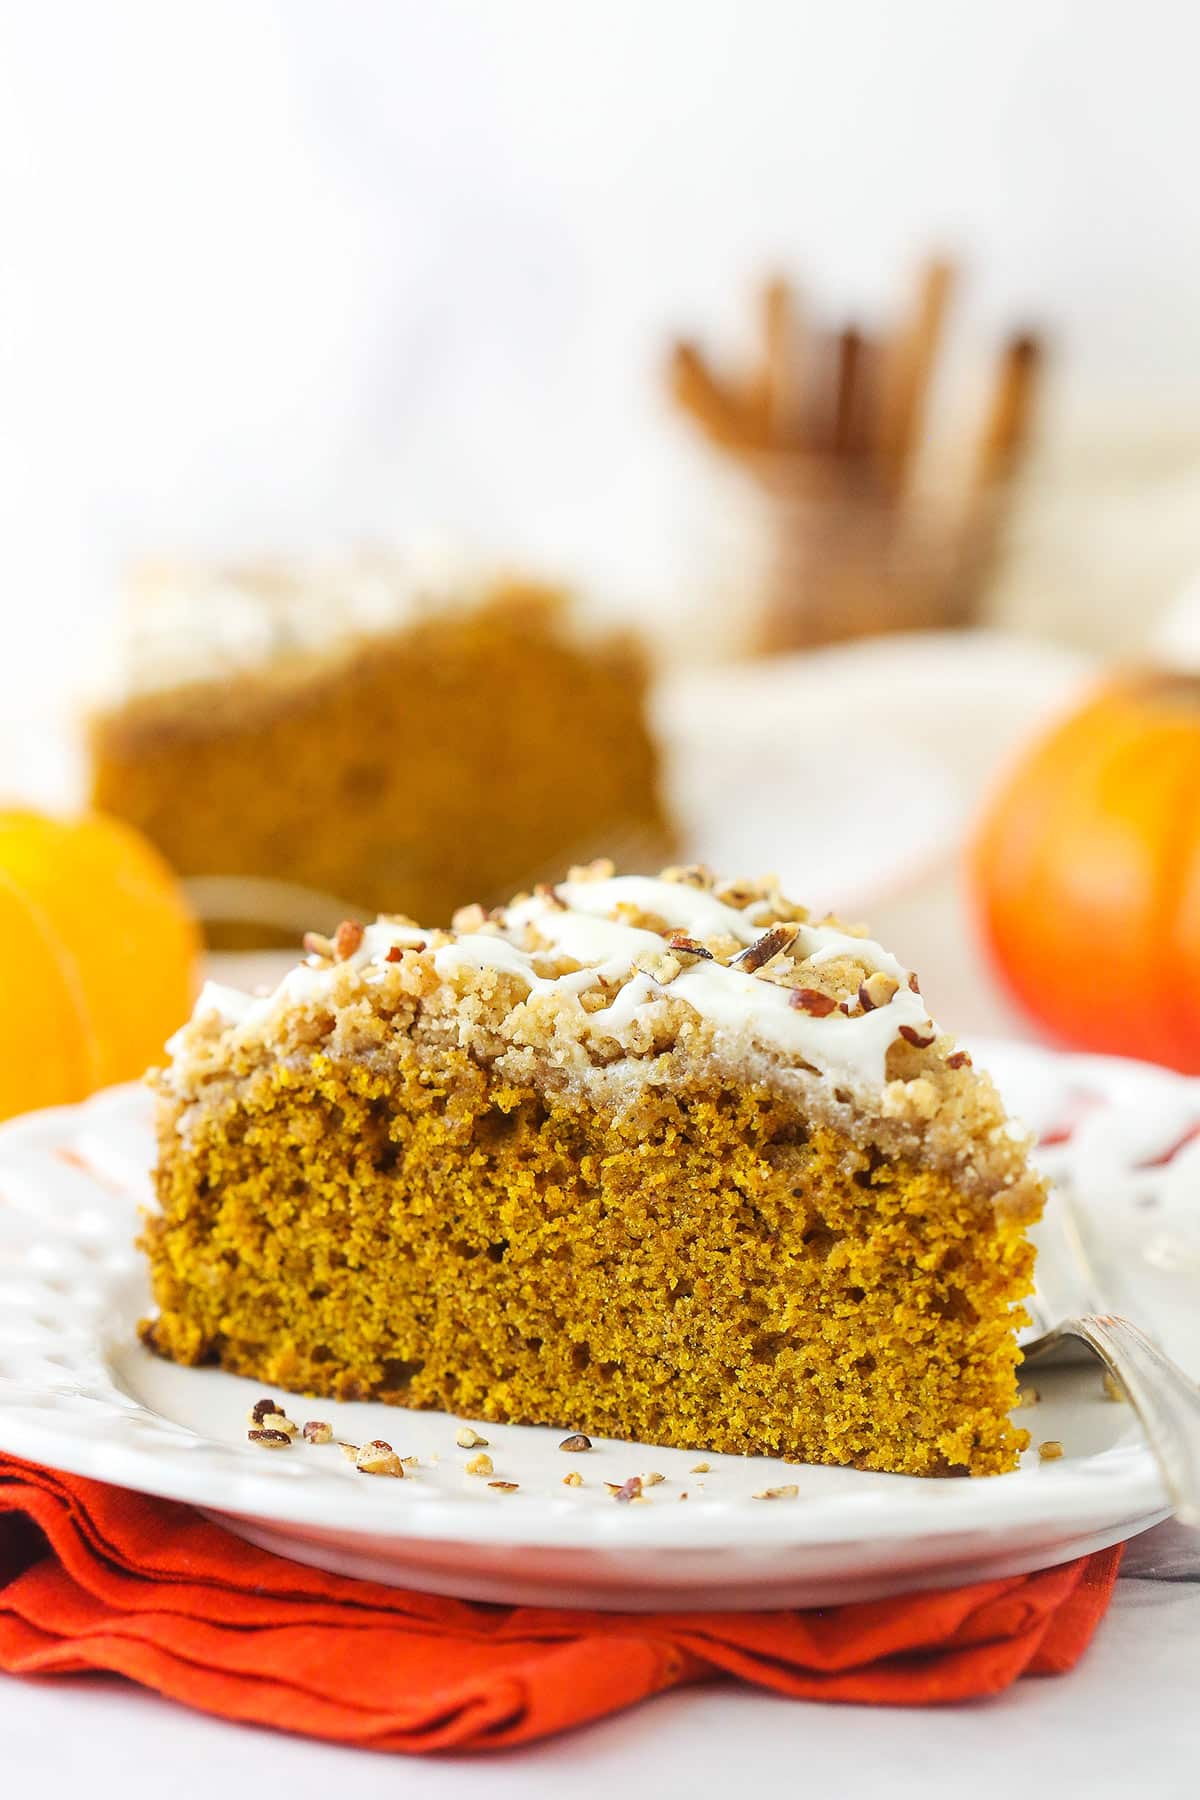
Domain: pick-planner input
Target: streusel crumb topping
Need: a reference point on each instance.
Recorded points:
(609, 983)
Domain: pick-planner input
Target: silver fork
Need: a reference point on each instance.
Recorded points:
(1071, 1324)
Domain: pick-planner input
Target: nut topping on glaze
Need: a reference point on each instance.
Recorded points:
(917, 1039)
(346, 939)
(877, 990)
(688, 946)
(812, 1001)
(771, 943)
(690, 875)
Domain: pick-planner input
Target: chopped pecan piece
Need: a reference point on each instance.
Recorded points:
(505, 1487)
(876, 990)
(812, 1001)
(318, 945)
(573, 1479)
(270, 1440)
(628, 1490)
(690, 946)
(467, 1438)
(917, 1039)
(317, 1431)
(277, 1421)
(578, 1440)
(260, 1409)
(1050, 1450)
(378, 1458)
(960, 1060)
(771, 943)
(346, 939)
(913, 983)
(480, 1465)
(690, 875)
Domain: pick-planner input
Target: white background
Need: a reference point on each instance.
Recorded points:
(272, 270)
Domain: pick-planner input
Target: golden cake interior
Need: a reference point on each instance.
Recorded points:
(445, 1191)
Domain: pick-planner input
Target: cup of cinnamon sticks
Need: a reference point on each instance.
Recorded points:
(830, 429)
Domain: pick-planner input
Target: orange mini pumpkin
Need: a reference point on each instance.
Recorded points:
(1086, 870)
(98, 957)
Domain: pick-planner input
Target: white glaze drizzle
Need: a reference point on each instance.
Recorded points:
(848, 1050)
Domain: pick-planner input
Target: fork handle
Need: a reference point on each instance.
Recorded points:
(1165, 1400)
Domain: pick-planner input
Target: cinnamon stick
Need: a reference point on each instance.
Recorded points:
(775, 391)
(1006, 427)
(911, 362)
(700, 393)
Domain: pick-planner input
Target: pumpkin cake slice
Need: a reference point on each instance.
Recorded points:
(648, 1158)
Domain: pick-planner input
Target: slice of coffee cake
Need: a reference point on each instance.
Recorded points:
(652, 1158)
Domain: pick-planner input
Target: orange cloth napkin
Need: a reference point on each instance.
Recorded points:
(94, 1577)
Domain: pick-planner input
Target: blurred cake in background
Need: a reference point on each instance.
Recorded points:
(365, 735)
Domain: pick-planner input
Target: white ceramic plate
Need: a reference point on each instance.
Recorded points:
(78, 1392)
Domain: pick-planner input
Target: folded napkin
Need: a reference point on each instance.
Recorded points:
(94, 1577)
